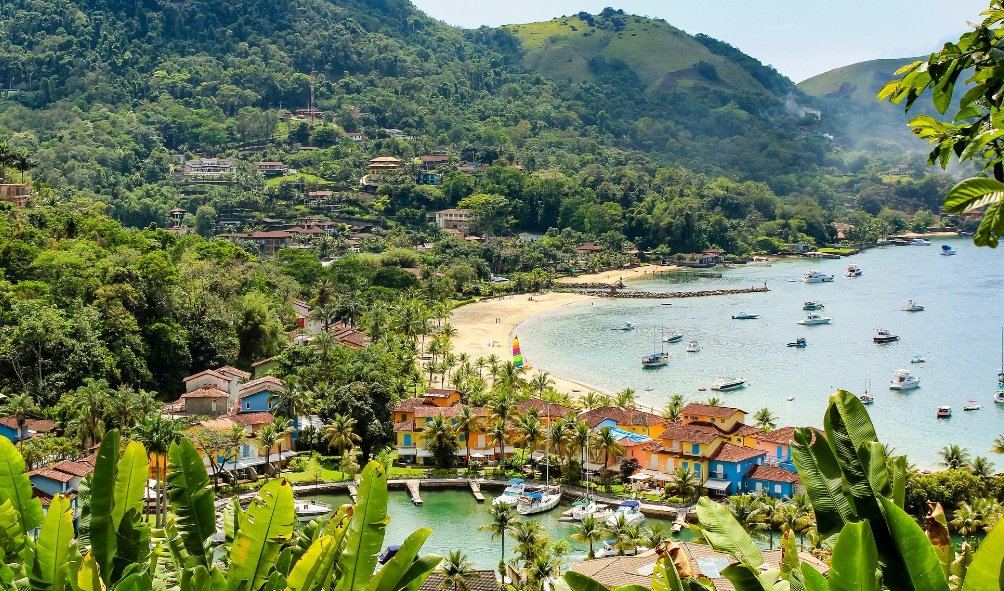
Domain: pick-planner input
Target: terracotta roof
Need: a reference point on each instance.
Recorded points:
(432, 158)
(746, 430)
(208, 372)
(480, 580)
(784, 435)
(251, 418)
(223, 422)
(736, 453)
(268, 234)
(57, 475)
(41, 425)
(439, 393)
(721, 412)
(620, 571)
(405, 426)
(689, 433)
(773, 474)
(589, 246)
(425, 411)
(270, 383)
(229, 369)
(9, 422)
(75, 468)
(622, 416)
(409, 404)
(384, 159)
(206, 393)
(556, 410)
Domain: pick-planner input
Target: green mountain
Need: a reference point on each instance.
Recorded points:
(858, 83)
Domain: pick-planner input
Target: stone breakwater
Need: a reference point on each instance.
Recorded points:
(651, 295)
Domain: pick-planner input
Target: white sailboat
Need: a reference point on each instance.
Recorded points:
(656, 359)
(999, 394)
(539, 501)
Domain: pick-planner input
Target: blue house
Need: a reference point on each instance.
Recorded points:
(728, 465)
(774, 481)
(8, 428)
(259, 396)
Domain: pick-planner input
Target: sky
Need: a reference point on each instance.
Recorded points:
(800, 39)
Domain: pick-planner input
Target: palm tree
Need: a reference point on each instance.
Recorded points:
(457, 570)
(6, 159)
(627, 536)
(274, 434)
(606, 442)
(998, 445)
(441, 440)
(542, 568)
(672, 413)
(338, 433)
(290, 402)
(969, 520)
(744, 508)
(683, 482)
(531, 432)
(626, 398)
(589, 531)
(502, 407)
(157, 433)
(954, 457)
(19, 407)
(498, 431)
(480, 364)
(503, 518)
(765, 420)
(770, 511)
(530, 538)
(540, 383)
(591, 400)
(467, 421)
(578, 440)
(324, 294)
(23, 162)
(982, 467)
(510, 379)
(714, 401)
(655, 535)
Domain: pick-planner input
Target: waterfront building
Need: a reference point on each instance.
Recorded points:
(774, 481)
(628, 419)
(727, 468)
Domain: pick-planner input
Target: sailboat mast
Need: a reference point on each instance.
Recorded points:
(547, 449)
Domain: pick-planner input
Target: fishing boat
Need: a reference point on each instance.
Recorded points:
(902, 380)
(728, 384)
(513, 490)
(814, 319)
(655, 359)
(631, 510)
(884, 336)
(852, 271)
(944, 412)
(912, 306)
(918, 359)
(947, 250)
(626, 326)
(972, 405)
(693, 347)
(816, 277)
(672, 337)
(812, 305)
(745, 316)
(539, 501)
(307, 510)
(920, 242)
(800, 343)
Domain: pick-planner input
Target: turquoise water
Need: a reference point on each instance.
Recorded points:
(455, 516)
(959, 333)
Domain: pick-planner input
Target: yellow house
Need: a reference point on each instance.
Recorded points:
(682, 446)
(635, 421)
(413, 414)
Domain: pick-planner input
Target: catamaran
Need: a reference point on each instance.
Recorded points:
(517, 355)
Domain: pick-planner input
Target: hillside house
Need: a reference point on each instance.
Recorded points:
(270, 169)
(16, 194)
(208, 167)
(63, 477)
(268, 241)
(355, 136)
(728, 466)
(383, 164)
(455, 219)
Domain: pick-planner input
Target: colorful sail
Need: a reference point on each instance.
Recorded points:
(517, 357)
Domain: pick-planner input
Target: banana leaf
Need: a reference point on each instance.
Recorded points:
(580, 582)
(102, 531)
(365, 535)
(309, 572)
(48, 571)
(15, 486)
(191, 499)
(135, 582)
(849, 432)
(789, 554)
(87, 577)
(854, 566)
(986, 571)
(202, 579)
(721, 530)
(913, 564)
(745, 577)
(130, 482)
(267, 525)
(812, 579)
(898, 475)
(391, 576)
(132, 544)
(11, 537)
(824, 483)
(936, 528)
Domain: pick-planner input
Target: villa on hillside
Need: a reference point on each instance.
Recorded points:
(16, 194)
(208, 167)
(454, 219)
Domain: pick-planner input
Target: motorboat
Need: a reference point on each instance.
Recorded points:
(630, 510)
(814, 319)
(728, 384)
(912, 306)
(947, 250)
(800, 343)
(944, 412)
(816, 277)
(539, 501)
(920, 242)
(790, 398)
(972, 405)
(626, 326)
(745, 316)
(812, 305)
(693, 347)
(655, 360)
(513, 490)
(586, 508)
(307, 510)
(866, 398)
(672, 337)
(918, 359)
(610, 548)
(902, 380)
(999, 396)
(885, 336)
(388, 553)
(852, 271)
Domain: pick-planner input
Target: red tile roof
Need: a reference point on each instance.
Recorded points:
(440, 392)
(746, 430)
(405, 426)
(206, 393)
(621, 416)
(707, 410)
(773, 474)
(9, 422)
(409, 404)
(270, 383)
(689, 433)
(736, 453)
(424, 412)
(75, 468)
(556, 410)
(252, 418)
(41, 425)
(208, 372)
(784, 435)
(57, 475)
(229, 369)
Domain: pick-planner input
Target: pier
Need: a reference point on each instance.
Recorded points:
(353, 490)
(412, 486)
(476, 490)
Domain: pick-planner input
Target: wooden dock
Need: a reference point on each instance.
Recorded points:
(413, 491)
(353, 491)
(476, 490)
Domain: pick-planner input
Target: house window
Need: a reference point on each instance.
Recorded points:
(695, 449)
(462, 438)
(780, 455)
(247, 405)
(777, 488)
(404, 417)
(697, 469)
(407, 439)
(759, 486)
(721, 471)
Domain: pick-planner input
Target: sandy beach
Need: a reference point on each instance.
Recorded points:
(626, 275)
(486, 327)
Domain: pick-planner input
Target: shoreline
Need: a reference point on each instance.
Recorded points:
(611, 276)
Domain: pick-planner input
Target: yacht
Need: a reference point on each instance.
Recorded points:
(814, 319)
(884, 336)
(588, 507)
(902, 380)
(307, 510)
(539, 501)
(816, 277)
(944, 412)
(812, 305)
(912, 306)
(999, 395)
(655, 359)
(693, 347)
(800, 342)
(728, 384)
(745, 316)
(920, 242)
(672, 337)
(514, 488)
(947, 250)
(852, 271)
(631, 510)
(972, 405)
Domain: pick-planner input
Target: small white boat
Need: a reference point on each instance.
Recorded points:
(947, 250)
(626, 326)
(513, 490)
(999, 396)
(728, 384)
(693, 347)
(867, 398)
(816, 277)
(902, 380)
(884, 336)
(852, 271)
(918, 359)
(598, 511)
(655, 360)
(672, 337)
(790, 398)
(799, 343)
(912, 306)
(812, 305)
(539, 501)
(745, 316)
(972, 405)
(814, 319)
(610, 549)
(944, 412)
(631, 510)
(677, 527)
(307, 510)
(920, 242)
